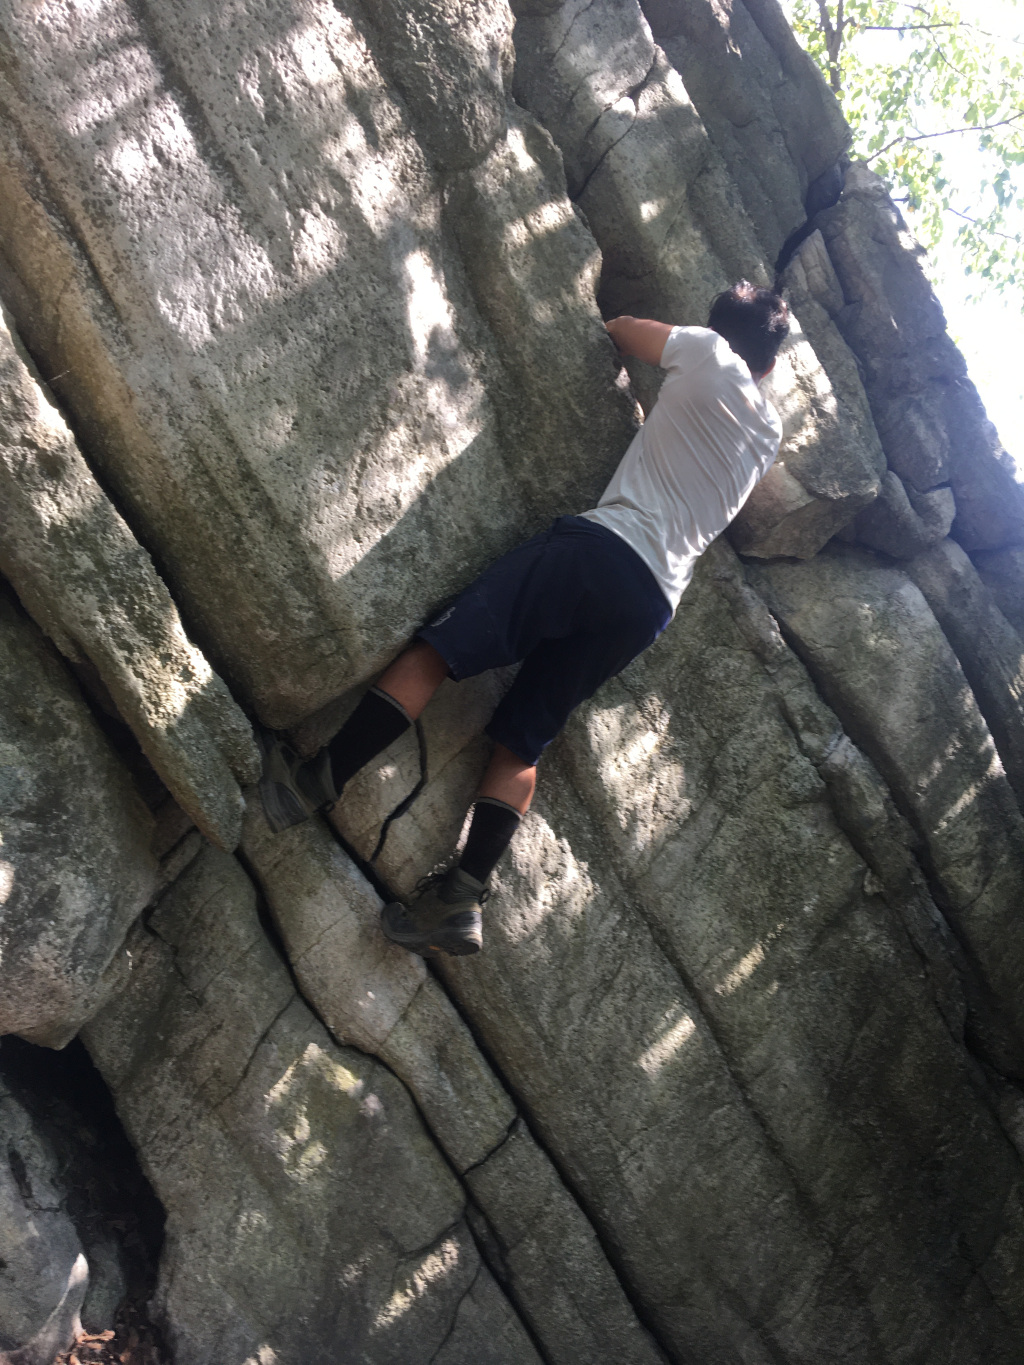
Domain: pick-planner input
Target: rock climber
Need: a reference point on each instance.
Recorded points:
(575, 604)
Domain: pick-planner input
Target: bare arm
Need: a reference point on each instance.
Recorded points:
(641, 337)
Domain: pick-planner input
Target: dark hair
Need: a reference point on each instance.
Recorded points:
(755, 323)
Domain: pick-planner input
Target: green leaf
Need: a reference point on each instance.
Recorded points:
(904, 111)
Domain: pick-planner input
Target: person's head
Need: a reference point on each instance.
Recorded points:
(754, 322)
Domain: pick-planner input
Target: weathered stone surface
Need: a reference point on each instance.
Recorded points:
(451, 61)
(382, 1000)
(94, 590)
(826, 470)
(932, 426)
(903, 522)
(704, 863)
(228, 406)
(653, 1134)
(831, 458)
(881, 660)
(533, 268)
(619, 114)
(263, 345)
(321, 311)
(1003, 574)
(372, 994)
(812, 277)
(550, 1258)
(39, 1246)
(861, 802)
(990, 651)
(306, 1205)
(773, 119)
(661, 856)
(894, 323)
(75, 864)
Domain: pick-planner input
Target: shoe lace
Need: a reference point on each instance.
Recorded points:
(431, 879)
(438, 874)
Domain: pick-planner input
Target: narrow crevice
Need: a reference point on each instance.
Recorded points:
(108, 1199)
(983, 1069)
(275, 939)
(404, 1255)
(94, 695)
(632, 92)
(611, 1255)
(863, 740)
(458, 1309)
(386, 894)
(496, 1148)
(581, 191)
(1009, 746)
(252, 1055)
(911, 888)
(368, 870)
(983, 1016)
(635, 91)
(52, 198)
(571, 25)
(922, 880)
(173, 949)
(897, 900)
(822, 194)
(87, 434)
(802, 1200)
(22, 305)
(490, 1249)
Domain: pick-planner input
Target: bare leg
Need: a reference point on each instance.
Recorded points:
(509, 779)
(414, 677)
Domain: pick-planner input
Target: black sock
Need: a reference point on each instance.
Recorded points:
(490, 833)
(376, 722)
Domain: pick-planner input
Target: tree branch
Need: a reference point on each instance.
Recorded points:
(946, 132)
(833, 41)
(901, 28)
(963, 23)
(1007, 237)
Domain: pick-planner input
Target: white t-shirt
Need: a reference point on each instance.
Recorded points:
(692, 465)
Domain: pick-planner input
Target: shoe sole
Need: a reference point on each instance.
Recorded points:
(453, 943)
(281, 806)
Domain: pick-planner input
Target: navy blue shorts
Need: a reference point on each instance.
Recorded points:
(575, 604)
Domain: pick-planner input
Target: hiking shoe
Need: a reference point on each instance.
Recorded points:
(445, 919)
(292, 788)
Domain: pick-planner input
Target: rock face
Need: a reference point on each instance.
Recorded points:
(869, 637)
(95, 592)
(932, 426)
(41, 1246)
(76, 866)
(303, 313)
(272, 1149)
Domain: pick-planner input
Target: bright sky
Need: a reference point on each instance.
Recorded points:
(990, 333)
(990, 329)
